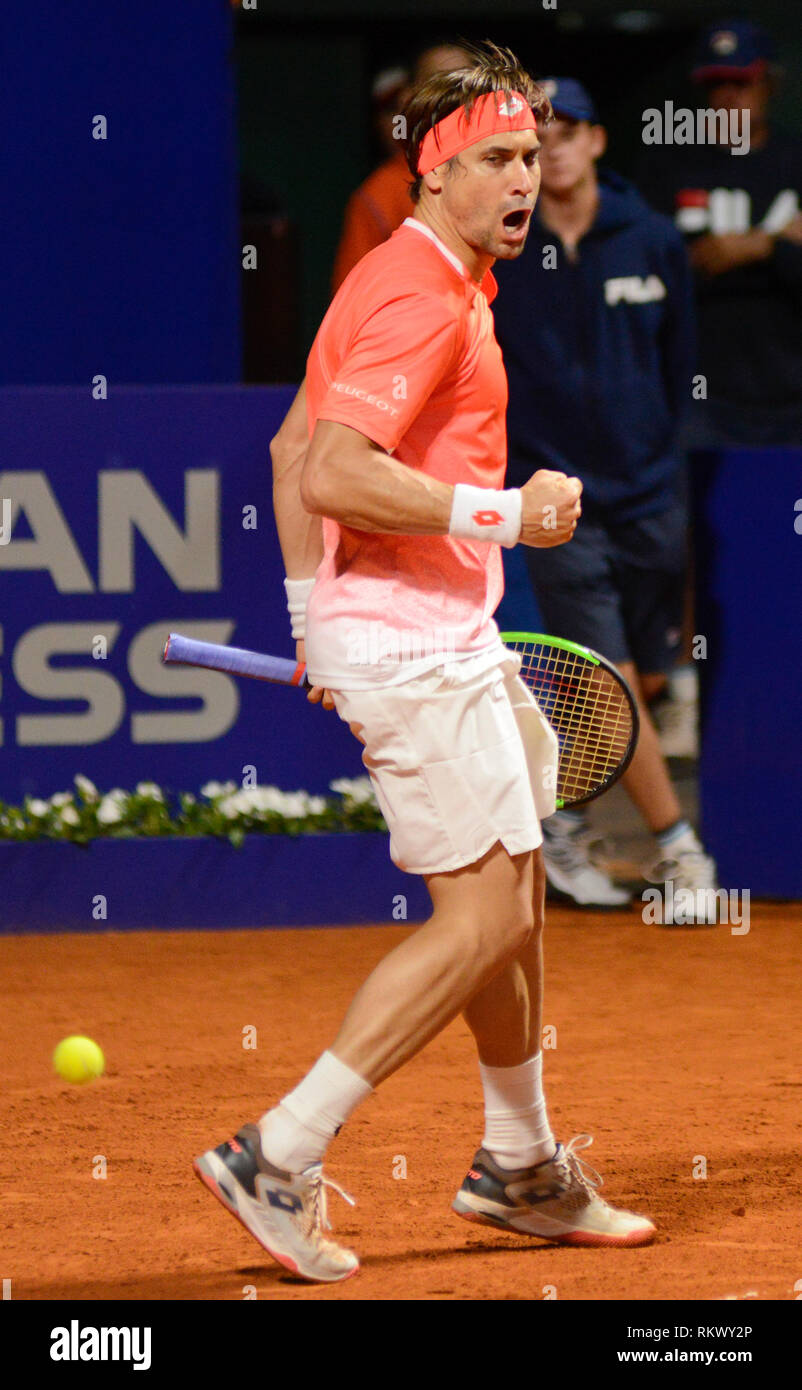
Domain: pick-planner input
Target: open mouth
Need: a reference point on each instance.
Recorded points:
(515, 221)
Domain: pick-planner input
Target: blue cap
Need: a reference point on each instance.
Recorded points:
(732, 48)
(569, 99)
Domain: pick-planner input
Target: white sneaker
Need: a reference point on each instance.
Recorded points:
(556, 1200)
(570, 872)
(285, 1212)
(677, 718)
(690, 893)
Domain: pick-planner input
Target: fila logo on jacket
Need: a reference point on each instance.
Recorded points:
(633, 289)
(723, 210)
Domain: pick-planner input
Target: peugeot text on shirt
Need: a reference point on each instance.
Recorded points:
(361, 395)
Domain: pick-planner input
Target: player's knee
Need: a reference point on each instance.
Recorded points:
(510, 928)
(528, 927)
(489, 940)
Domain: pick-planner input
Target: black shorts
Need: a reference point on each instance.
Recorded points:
(617, 588)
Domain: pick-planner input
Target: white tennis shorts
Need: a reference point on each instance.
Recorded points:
(459, 759)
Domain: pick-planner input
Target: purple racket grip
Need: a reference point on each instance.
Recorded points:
(188, 651)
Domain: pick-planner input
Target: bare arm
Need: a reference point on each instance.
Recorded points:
(300, 534)
(715, 254)
(349, 478)
(343, 475)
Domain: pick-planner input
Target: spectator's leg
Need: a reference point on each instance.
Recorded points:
(652, 686)
(647, 779)
(575, 591)
(680, 854)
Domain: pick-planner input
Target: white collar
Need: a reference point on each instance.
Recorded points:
(442, 248)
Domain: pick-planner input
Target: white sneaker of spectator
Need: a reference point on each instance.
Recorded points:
(688, 876)
(569, 871)
(677, 717)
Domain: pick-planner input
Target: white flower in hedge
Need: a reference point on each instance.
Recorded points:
(317, 805)
(295, 805)
(110, 810)
(38, 808)
(85, 787)
(149, 789)
(358, 789)
(70, 816)
(61, 799)
(255, 801)
(233, 806)
(214, 789)
(118, 795)
(262, 799)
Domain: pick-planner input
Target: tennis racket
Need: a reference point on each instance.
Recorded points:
(588, 704)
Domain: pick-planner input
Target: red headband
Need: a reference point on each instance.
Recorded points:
(495, 113)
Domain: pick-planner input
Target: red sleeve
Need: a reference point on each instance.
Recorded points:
(398, 357)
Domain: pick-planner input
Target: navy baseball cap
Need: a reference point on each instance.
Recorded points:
(732, 48)
(569, 99)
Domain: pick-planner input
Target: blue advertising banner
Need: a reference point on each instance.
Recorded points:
(748, 506)
(123, 520)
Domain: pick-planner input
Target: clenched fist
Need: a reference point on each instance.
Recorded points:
(551, 508)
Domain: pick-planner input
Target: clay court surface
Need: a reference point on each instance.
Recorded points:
(670, 1045)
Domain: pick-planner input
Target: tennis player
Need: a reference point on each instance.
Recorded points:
(396, 440)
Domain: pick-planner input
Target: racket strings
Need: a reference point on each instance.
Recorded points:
(588, 710)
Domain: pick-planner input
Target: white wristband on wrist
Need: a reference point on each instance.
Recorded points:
(298, 591)
(484, 514)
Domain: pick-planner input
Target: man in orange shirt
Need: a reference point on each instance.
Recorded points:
(381, 203)
(390, 507)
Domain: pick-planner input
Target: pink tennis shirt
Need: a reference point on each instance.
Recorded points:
(407, 355)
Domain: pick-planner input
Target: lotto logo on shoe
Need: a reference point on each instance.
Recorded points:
(487, 518)
(285, 1201)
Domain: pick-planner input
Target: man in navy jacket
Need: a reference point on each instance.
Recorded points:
(741, 220)
(596, 325)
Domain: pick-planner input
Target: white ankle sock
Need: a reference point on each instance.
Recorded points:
(678, 837)
(297, 1132)
(517, 1132)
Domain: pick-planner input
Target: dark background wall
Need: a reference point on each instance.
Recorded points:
(122, 256)
(119, 256)
(304, 79)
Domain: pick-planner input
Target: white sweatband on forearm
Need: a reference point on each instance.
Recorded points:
(298, 591)
(483, 514)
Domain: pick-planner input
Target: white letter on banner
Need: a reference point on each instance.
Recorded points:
(192, 559)
(53, 547)
(99, 688)
(219, 692)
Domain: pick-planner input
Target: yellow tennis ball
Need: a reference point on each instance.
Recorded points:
(78, 1059)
